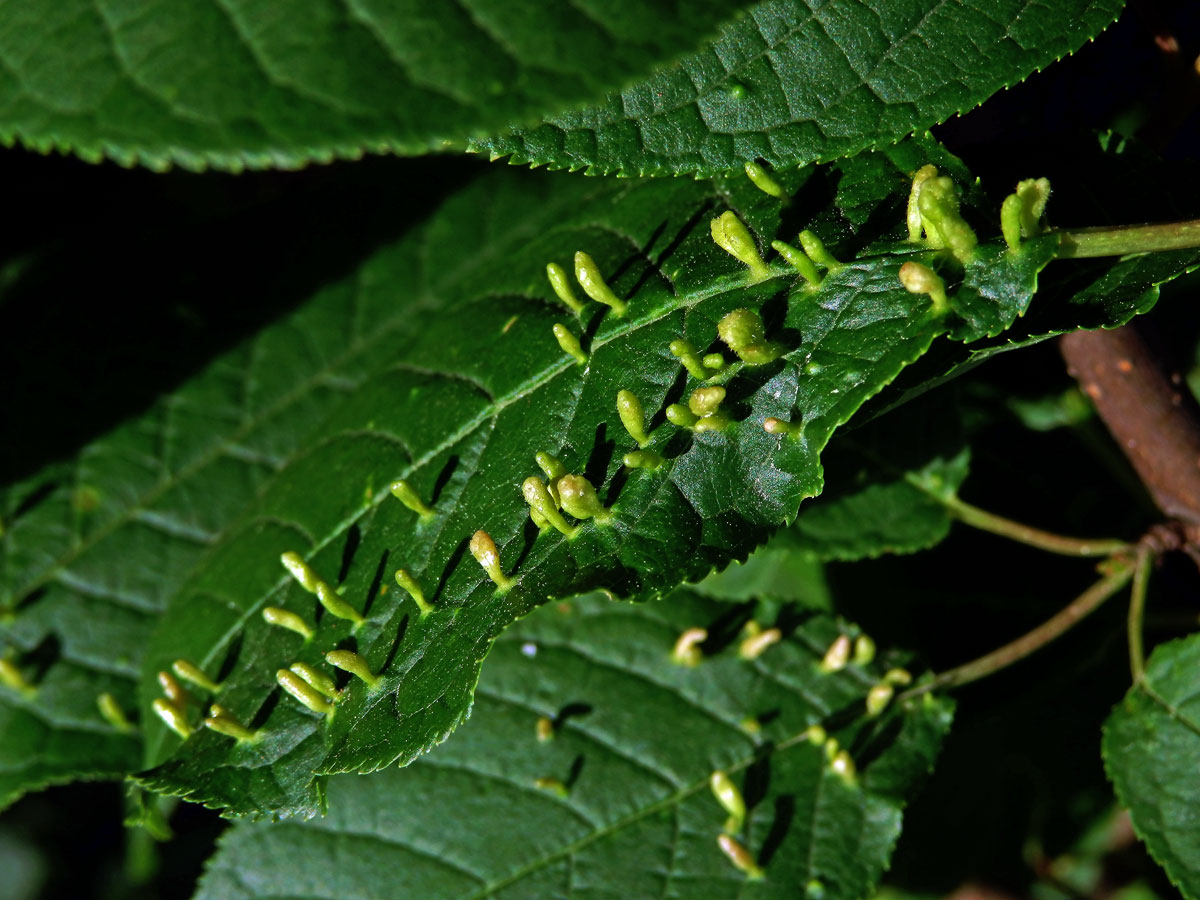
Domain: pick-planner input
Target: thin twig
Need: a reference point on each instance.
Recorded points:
(1126, 239)
(1034, 537)
(1063, 621)
(1137, 610)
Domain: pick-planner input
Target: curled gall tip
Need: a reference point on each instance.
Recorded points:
(915, 224)
(483, 548)
(944, 226)
(540, 501)
(349, 661)
(762, 180)
(686, 651)
(837, 655)
(283, 618)
(569, 343)
(111, 712)
(172, 716)
(730, 798)
(739, 856)
(408, 583)
(731, 235)
(317, 680)
(918, 278)
(561, 285)
(189, 671)
(403, 491)
(633, 417)
(799, 261)
(587, 273)
(303, 692)
(579, 499)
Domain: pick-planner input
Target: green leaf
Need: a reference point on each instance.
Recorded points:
(636, 739)
(882, 484)
(475, 393)
(774, 572)
(796, 82)
(247, 84)
(1151, 751)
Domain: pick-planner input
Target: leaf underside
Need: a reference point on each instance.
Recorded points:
(796, 82)
(638, 819)
(1151, 752)
(250, 83)
(476, 395)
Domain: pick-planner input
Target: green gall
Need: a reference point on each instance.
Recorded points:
(815, 735)
(915, 223)
(799, 261)
(409, 584)
(756, 644)
(569, 343)
(918, 278)
(815, 250)
(736, 90)
(732, 236)
(760, 354)
(686, 651)
(843, 767)
(303, 692)
(898, 677)
(538, 497)
(220, 721)
(879, 697)
(1034, 194)
(112, 713)
(739, 856)
(1010, 222)
(772, 425)
(587, 273)
(580, 500)
(173, 690)
(561, 285)
(554, 470)
(837, 655)
(944, 225)
(705, 401)
(762, 180)
(190, 672)
(545, 730)
(317, 680)
(814, 890)
(714, 362)
(864, 650)
(300, 570)
(686, 354)
(740, 329)
(730, 798)
(680, 415)
(483, 548)
(553, 785)
(173, 717)
(642, 459)
(403, 491)
(633, 417)
(283, 618)
(12, 678)
(349, 661)
(336, 606)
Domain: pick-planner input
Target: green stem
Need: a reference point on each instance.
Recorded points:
(1137, 609)
(1126, 239)
(1054, 627)
(1034, 537)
